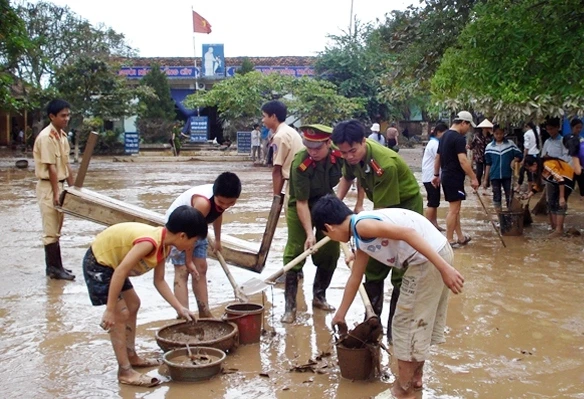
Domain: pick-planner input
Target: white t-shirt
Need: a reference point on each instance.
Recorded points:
(255, 138)
(380, 138)
(186, 198)
(428, 160)
(530, 142)
(393, 252)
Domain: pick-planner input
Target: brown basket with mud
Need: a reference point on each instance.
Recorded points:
(212, 333)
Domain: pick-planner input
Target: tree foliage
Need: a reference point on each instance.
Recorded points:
(156, 111)
(13, 43)
(246, 66)
(416, 39)
(516, 60)
(239, 99)
(354, 64)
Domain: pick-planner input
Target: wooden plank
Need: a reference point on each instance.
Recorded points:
(107, 211)
(87, 153)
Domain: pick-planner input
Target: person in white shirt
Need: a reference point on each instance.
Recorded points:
(554, 146)
(402, 239)
(255, 143)
(376, 135)
(531, 146)
(433, 193)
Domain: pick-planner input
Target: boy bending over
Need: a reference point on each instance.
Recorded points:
(132, 249)
(406, 240)
(211, 200)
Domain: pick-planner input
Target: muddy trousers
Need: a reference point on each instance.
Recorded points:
(375, 275)
(325, 259)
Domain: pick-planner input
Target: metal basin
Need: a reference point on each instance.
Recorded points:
(212, 333)
(204, 363)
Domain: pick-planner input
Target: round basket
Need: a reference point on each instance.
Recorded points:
(22, 164)
(204, 363)
(211, 333)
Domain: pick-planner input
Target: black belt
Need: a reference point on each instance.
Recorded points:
(60, 181)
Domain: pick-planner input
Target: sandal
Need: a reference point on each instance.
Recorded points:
(466, 240)
(142, 381)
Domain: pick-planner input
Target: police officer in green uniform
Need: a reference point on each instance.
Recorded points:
(389, 183)
(315, 171)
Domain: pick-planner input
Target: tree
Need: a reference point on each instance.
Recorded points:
(416, 39)
(156, 111)
(246, 66)
(57, 37)
(508, 66)
(354, 64)
(93, 88)
(239, 99)
(13, 43)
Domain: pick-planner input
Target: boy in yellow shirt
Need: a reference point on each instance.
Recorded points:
(132, 249)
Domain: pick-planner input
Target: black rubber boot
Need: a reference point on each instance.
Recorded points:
(290, 296)
(375, 293)
(392, 307)
(67, 270)
(322, 280)
(54, 267)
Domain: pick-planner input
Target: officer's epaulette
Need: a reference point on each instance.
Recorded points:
(335, 154)
(305, 164)
(376, 168)
(54, 134)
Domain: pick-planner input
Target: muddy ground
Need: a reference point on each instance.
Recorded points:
(517, 331)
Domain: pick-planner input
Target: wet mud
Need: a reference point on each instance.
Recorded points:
(516, 331)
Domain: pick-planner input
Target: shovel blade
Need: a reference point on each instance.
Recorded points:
(253, 286)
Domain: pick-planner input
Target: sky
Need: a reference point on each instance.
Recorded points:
(246, 27)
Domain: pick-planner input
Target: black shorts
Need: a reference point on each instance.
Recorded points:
(391, 143)
(433, 194)
(98, 278)
(454, 193)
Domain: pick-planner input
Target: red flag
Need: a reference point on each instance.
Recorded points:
(200, 24)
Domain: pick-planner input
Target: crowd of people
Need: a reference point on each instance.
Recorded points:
(315, 167)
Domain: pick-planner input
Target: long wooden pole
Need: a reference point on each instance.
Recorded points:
(87, 153)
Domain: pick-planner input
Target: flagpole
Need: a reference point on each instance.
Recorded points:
(195, 54)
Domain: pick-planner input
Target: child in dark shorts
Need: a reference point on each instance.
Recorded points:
(132, 249)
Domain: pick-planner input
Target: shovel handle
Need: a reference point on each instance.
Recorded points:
(364, 297)
(489, 216)
(297, 260)
(237, 291)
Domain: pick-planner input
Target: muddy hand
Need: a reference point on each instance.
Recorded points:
(186, 314)
(107, 320)
(340, 328)
(453, 280)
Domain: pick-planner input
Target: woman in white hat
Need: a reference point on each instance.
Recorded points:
(376, 135)
(478, 145)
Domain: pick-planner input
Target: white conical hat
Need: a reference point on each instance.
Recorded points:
(485, 123)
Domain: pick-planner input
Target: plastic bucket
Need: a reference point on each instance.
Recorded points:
(358, 363)
(248, 317)
(511, 223)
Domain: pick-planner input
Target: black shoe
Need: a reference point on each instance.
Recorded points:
(322, 280)
(290, 297)
(59, 274)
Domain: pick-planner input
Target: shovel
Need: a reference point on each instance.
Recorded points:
(368, 331)
(239, 294)
(255, 285)
(492, 223)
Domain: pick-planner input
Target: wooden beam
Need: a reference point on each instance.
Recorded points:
(87, 153)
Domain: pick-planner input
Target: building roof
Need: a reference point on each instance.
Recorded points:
(229, 61)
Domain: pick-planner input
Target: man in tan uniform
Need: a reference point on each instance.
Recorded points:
(285, 143)
(51, 163)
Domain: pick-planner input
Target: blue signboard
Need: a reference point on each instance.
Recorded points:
(131, 142)
(199, 128)
(244, 143)
(171, 72)
(213, 61)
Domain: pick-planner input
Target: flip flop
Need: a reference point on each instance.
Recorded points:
(466, 240)
(142, 381)
(147, 363)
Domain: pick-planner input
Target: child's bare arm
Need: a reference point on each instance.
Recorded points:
(217, 230)
(165, 291)
(352, 286)
(375, 228)
(122, 272)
